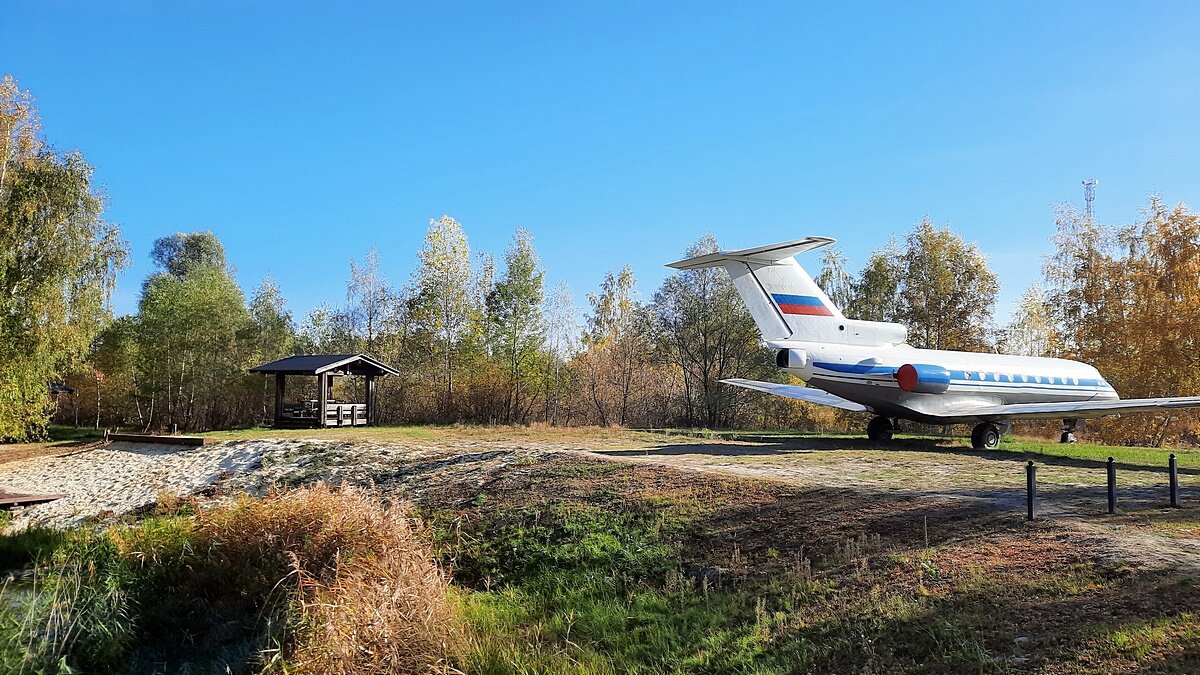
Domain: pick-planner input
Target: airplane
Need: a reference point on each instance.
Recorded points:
(866, 366)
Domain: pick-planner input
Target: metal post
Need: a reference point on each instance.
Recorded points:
(1030, 490)
(1174, 471)
(1112, 486)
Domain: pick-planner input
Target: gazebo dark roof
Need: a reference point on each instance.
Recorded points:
(315, 364)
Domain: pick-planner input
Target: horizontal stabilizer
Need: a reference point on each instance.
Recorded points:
(1082, 409)
(810, 394)
(763, 255)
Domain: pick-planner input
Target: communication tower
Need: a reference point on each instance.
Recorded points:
(1089, 196)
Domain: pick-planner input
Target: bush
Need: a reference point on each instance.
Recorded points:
(313, 580)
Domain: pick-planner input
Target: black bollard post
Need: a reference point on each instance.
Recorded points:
(1112, 486)
(1174, 470)
(1030, 490)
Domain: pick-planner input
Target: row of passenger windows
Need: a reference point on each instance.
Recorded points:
(1004, 377)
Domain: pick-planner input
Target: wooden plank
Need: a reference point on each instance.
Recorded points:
(151, 438)
(11, 500)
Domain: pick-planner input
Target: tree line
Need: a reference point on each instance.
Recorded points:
(484, 341)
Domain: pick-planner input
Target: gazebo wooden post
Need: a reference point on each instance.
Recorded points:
(322, 398)
(370, 400)
(280, 379)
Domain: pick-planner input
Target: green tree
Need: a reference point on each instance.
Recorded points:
(834, 279)
(562, 340)
(1082, 290)
(445, 301)
(58, 264)
(370, 298)
(273, 330)
(876, 292)
(708, 334)
(617, 348)
(514, 310)
(611, 307)
(113, 374)
(947, 292)
(1031, 330)
(193, 324)
(181, 252)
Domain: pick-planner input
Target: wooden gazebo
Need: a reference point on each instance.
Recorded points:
(325, 411)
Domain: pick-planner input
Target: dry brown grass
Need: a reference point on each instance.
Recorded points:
(368, 596)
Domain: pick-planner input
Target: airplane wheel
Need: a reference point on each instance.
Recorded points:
(985, 436)
(880, 429)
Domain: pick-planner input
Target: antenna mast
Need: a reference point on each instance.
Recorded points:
(1089, 196)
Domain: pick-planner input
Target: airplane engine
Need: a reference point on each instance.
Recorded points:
(923, 378)
(791, 358)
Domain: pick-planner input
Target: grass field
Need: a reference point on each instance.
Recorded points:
(800, 554)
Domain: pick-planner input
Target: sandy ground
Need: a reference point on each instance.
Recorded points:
(120, 478)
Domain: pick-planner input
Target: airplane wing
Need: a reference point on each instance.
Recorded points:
(1082, 409)
(810, 394)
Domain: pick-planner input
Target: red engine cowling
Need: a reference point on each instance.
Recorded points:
(923, 378)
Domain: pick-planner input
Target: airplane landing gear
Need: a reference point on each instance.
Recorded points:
(1068, 431)
(985, 436)
(880, 429)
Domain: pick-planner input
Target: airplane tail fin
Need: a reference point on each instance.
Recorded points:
(783, 299)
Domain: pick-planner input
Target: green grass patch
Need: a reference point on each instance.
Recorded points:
(62, 432)
(573, 587)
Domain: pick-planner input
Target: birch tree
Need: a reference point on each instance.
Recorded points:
(369, 297)
(514, 310)
(947, 291)
(444, 290)
(834, 279)
(58, 265)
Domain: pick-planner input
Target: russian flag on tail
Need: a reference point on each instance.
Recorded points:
(809, 305)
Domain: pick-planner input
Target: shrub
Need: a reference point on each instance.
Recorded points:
(313, 580)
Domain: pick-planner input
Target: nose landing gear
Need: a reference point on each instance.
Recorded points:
(880, 429)
(1068, 431)
(985, 436)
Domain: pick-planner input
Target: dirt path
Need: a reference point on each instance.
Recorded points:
(121, 477)
(1071, 494)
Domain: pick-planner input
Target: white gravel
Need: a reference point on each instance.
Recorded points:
(121, 477)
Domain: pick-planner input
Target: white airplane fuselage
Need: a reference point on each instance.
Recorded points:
(867, 375)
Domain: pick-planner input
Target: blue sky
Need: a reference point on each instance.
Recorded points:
(304, 133)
